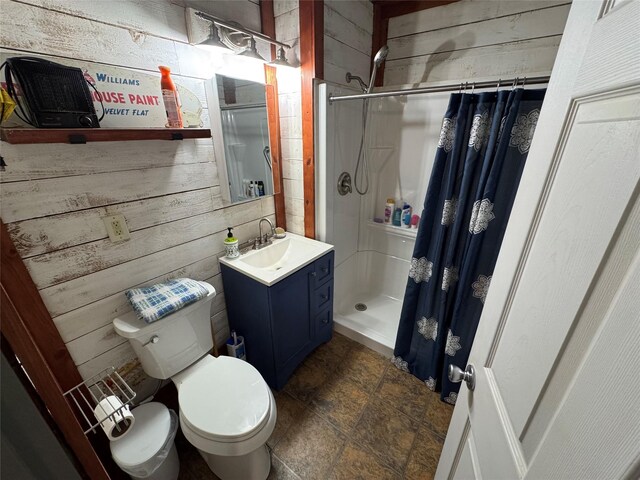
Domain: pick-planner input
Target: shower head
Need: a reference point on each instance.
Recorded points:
(380, 57)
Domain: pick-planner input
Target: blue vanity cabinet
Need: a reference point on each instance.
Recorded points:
(283, 323)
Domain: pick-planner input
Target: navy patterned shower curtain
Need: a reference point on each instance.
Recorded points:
(481, 153)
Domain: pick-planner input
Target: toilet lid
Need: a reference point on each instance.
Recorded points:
(145, 438)
(225, 399)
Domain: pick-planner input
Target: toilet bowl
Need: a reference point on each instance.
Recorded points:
(227, 411)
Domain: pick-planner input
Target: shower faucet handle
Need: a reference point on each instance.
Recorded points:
(344, 183)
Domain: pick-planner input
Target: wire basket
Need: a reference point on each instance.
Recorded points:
(88, 394)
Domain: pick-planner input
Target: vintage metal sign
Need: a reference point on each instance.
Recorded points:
(132, 99)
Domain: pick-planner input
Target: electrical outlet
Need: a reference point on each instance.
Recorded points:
(116, 227)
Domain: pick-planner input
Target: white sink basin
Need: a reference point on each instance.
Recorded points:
(271, 264)
(268, 257)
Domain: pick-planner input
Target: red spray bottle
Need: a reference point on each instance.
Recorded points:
(170, 98)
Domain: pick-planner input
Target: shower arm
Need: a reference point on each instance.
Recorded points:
(349, 77)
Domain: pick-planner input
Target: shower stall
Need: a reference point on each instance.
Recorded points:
(400, 142)
(372, 259)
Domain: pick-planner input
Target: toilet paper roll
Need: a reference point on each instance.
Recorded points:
(115, 418)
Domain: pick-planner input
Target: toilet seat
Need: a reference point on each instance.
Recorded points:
(223, 399)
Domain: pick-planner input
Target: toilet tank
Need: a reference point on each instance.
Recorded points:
(169, 345)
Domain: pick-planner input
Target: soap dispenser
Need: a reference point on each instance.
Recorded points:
(231, 245)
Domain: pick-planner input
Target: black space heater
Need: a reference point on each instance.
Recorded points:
(51, 95)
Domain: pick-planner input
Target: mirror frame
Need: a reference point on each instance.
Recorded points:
(273, 116)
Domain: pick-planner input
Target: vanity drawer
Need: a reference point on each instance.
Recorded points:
(323, 296)
(323, 269)
(324, 325)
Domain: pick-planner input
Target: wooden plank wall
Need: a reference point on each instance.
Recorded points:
(347, 45)
(348, 27)
(53, 196)
(287, 19)
(475, 40)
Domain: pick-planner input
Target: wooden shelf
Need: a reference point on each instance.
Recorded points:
(84, 135)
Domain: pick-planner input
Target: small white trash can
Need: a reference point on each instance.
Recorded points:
(148, 450)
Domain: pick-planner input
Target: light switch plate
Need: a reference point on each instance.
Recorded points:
(116, 227)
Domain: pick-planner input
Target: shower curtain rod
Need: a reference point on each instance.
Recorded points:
(442, 88)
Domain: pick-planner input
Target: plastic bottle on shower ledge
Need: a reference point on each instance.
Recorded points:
(397, 217)
(389, 209)
(406, 215)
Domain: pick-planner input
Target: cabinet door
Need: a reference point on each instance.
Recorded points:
(292, 328)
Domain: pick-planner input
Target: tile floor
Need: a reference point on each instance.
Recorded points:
(347, 413)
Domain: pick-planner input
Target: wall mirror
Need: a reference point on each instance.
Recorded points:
(240, 129)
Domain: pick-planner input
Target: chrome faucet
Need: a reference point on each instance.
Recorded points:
(263, 241)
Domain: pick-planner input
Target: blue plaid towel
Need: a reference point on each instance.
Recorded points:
(157, 301)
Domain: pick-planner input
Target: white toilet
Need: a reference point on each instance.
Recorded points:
(227, 411)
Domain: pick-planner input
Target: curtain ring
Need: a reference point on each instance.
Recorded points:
(498, 85)
(465, 87)
(460, 89)
(473, 87)
(524, 81)
(515, 83)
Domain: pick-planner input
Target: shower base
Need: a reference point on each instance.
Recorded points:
(375, 327)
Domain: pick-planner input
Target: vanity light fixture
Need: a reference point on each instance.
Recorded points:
(240, 40)
(213, 41)
(251, 50)
(281, 59)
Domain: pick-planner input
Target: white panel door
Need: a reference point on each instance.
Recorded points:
(557, 350)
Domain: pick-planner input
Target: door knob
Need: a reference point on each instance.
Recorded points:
(457, 375)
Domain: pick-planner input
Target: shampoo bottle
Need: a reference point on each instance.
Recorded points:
(397, 217)
(406, 215)
(388, 210)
